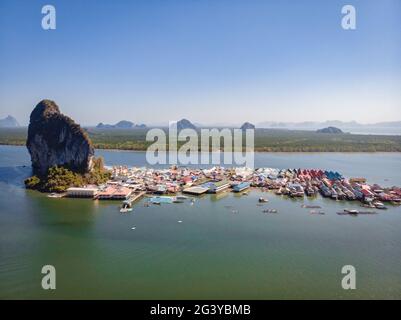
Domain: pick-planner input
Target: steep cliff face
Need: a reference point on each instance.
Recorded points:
(55, 139)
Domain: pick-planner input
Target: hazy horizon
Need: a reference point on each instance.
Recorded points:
(228, 124)
(210, 62)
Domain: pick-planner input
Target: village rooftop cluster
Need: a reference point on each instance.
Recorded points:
(131, 183)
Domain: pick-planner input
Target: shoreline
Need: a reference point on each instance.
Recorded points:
(255, 151)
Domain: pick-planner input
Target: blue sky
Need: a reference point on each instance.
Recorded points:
(210, 61)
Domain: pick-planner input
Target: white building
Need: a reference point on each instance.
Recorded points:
(81, 192)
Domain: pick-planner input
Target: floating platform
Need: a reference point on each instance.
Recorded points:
(197, 190)
(216, 186)
(241, 186)
(161, 199)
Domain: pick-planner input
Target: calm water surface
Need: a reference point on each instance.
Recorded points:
(225, 247)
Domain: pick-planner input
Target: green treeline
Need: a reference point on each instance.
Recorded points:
(269, 140)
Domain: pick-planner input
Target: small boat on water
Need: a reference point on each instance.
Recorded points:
(296, 190)
(379, 205)
(126, 207)
(325, 191)
(368, 199)
(310, 191)
(334, 194)
(270, 211)
(263, 200)
(358, 194)
(55, 195)
(316, 212)
(310, 206)
(351, 211)
(368, 205)
(354, 212)
(344, 213)
(340, 194)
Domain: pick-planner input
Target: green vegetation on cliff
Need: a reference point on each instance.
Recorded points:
(59, 179)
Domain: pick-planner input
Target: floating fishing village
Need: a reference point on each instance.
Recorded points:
(129, 184)
(67, 167)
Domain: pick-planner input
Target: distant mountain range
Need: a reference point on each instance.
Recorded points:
(186, 124)
(380, 128)
(386, 128)
(123, 124)
(311, 125)
(9, 122)
(390, 127)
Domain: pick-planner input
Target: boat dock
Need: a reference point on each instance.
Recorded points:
(131, 184)
(133, 198)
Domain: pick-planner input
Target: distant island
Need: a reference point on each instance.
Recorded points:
(123, 124)
(185, 124)
(388, 127)
(9, 122)
(331, 130)
(247, 125)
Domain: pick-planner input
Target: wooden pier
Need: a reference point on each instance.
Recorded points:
(134, 197)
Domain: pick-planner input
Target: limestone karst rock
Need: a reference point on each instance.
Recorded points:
(247, 125)
(9, 122)
(55, 139)
(330, 130)
(185, 124)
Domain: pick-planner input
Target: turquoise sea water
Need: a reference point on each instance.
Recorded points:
(225, 247)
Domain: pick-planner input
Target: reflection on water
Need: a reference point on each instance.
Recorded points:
(14, 175)
(218, 196)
